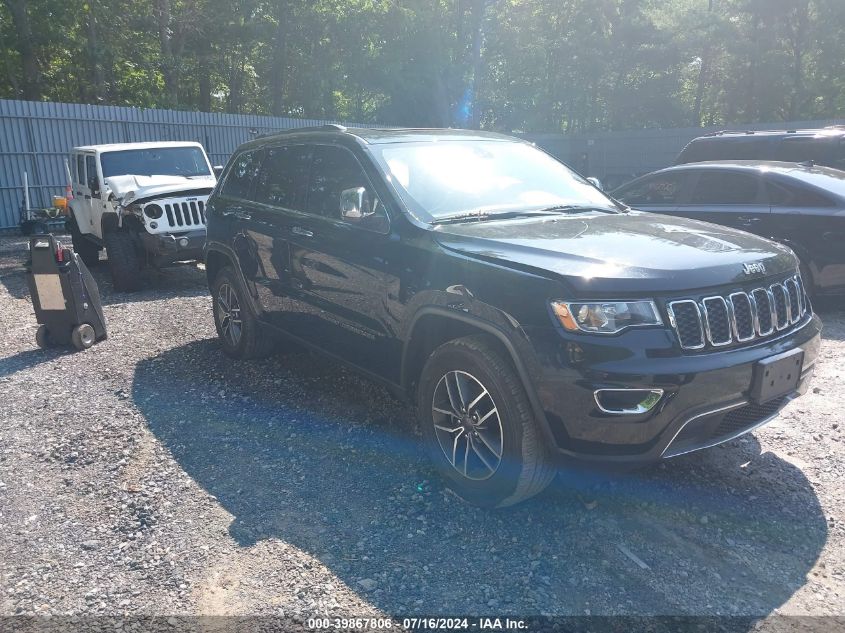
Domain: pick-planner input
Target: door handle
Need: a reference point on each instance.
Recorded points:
(301, 232)
(237, 212)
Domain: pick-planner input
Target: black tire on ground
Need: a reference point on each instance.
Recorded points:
(83, 336)
(807, 278)
(239, 330)
(87, 250)
(525, 468)
(42, 337)
(124, 260)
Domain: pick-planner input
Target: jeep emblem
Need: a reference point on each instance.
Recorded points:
(753, 269)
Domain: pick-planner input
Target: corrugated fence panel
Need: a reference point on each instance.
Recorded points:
(35, 137)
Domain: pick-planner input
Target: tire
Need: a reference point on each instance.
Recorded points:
(83, 336)
(524, 468)
(124, 261)
(87, 250)
(239, 330)
(42, 337)
(807, 278)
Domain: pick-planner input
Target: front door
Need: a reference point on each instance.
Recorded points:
(731, 198)
(342, 267)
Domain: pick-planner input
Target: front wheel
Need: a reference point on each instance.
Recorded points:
(124, 261)
(478, 425)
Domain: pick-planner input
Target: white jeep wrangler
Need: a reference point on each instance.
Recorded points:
(143, 202)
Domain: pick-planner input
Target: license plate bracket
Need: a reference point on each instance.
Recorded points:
(777, 376)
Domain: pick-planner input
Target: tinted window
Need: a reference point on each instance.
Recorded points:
(91, 168)
(663, 188)
(803, 148)
(783, 195)
(335, 169)
(80, 168)
(714, 187)
(240, 176)
(284, 176)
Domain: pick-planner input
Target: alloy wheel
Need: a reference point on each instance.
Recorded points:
(229, 314)
(467, 425)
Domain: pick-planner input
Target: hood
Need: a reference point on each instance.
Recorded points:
(131, 188)
(649, 252)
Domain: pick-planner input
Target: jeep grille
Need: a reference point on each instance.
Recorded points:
(740, 317)
(185, 214)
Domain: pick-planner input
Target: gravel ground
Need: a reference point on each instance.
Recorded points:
(152, 476)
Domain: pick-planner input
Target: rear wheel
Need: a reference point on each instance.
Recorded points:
(87, 250)
(478, 424)
(238, 328)
(124, 260)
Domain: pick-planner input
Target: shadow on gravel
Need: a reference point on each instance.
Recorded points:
(30, 358)
(300, 450)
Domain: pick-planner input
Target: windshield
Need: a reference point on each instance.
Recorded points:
(444, 178)
(158, 161)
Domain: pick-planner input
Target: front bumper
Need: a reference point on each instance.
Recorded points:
(706, 396)
(167, 248)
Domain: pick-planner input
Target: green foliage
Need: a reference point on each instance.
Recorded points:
(531, 65)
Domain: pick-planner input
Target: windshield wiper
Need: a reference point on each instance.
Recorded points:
(576, 208)
(483, 216)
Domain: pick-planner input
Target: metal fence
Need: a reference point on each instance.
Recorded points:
(35, 137)
(618, 157)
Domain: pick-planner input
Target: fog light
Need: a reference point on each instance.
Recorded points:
(183, 242)
(627, 401)
(154, 225)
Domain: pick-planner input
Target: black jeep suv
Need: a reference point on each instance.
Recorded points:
(529, 316)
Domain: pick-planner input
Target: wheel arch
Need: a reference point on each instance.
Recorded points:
(217, 257)
(433, 326)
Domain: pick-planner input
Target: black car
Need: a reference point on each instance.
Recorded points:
(529, 316)
(824, 146)
(799, 205)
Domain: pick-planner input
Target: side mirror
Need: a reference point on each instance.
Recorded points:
(596, 183)
(94, 186)
(218, 170)
(354, 204)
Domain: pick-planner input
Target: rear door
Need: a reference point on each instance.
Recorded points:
(728, 197)
(83, 202)
(277, 200)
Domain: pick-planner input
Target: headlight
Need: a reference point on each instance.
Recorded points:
(606, 317)
(153, 211)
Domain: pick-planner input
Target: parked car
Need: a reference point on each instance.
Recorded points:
(822, 147)
(529, 316)
(796, 204)
(143, 202)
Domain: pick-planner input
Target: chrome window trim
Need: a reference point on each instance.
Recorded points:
(671, 309)
(706, 312)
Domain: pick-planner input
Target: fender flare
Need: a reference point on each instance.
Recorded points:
(488, 328)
